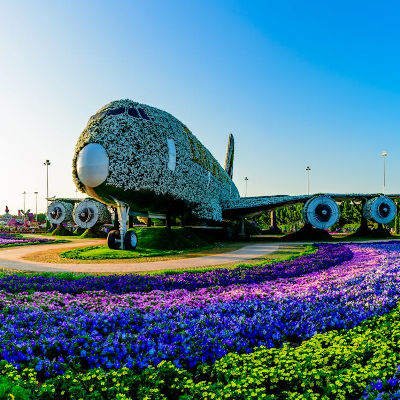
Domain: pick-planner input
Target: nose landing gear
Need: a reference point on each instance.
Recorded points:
(122, 239)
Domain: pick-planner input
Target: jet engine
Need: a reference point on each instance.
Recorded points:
(59, 212)
(321, 212)
(381, 209)
(88, 213)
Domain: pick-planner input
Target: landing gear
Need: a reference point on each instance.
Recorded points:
(122, 239)
(113, 239)
(130, 240)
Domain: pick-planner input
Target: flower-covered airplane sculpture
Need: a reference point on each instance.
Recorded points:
(135, 157)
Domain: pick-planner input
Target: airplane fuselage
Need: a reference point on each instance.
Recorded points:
(147, 158)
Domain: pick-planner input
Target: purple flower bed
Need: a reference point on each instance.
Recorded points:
(188, 337)
(52, 341)
(10, 240)
(81, 327)
(326, 257)
(330, 280)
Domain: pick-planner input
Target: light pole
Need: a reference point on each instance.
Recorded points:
(24, 201)
(384, 155)
(36, 193)
(245, 180)
(308, 169)
(47, 163)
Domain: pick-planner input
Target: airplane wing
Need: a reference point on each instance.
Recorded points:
(66, 199)
(254, 205)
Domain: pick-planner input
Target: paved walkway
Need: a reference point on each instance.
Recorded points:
(14, 258)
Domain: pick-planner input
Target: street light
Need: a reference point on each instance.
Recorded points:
(246, 179)
(384, 155)
(36, 193)
(24, 200)
(47, 163)
(308, 169)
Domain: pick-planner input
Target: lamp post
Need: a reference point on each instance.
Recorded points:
(47, 163)
(384, 155)
(36, 193)
(24, 200)
(308, 169)
(245, 180)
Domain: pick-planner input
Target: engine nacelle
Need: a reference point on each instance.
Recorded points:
(381, 209)
(321, 212)
(88, 213)
(59, 212)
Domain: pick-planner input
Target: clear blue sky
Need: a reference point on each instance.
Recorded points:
(298, 83)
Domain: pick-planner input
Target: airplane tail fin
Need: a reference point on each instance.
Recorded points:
(229, 156)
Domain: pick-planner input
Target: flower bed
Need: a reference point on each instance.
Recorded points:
(7, 240)
(204, 328)
(327, 256)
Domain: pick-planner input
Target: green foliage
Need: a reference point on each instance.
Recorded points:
(41, 217)
(396, 221)
(93, 233)
(104, 253)
(288, 217)
(92, 385)
(350, 212)
(397, 225)
(175, 238)
(17, 385)
(61, 230)
(9, 390)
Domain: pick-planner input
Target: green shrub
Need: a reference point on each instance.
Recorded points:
(61, 230)
(162, 238)
(9, 390)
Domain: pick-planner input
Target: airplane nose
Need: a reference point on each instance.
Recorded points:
(92, 165)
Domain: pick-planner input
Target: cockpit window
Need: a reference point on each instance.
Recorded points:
(133, 112)
(143, 114)
(116, 111)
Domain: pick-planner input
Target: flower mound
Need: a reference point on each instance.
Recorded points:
(327, 256)
(10, 240)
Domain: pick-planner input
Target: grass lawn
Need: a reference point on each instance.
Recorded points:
(153, 242)
(104, 253)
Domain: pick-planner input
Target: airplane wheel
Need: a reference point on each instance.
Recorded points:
(112, 238)
(130, 240)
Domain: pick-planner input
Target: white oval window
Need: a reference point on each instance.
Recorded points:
(171, 154)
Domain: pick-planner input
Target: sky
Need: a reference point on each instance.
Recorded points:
(298, 84)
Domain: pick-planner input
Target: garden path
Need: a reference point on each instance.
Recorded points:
(14, 258)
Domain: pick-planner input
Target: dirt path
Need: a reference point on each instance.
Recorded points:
(14, 258)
